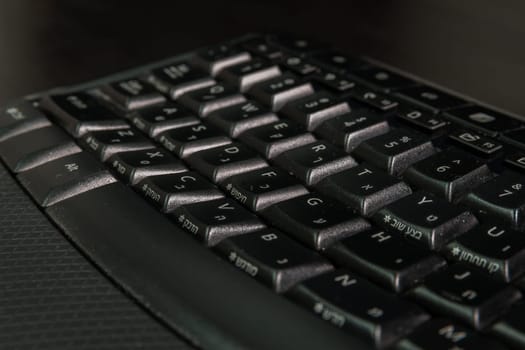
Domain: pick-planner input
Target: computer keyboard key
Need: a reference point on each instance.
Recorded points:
(131, 94)
(333, 81)
(178, 78)
(467, 294)
(311, 111)
(263, 187)
(298, 65)
(278, 91)
(516, 161)
(373, 98)
(511, 327)
(156, 119)
(261, 48)
(422, 120)
(211, 98)
(65, 177)
(273, 258)
(450, 173)
(170, 191)
(385, 258)
(475, 142)
(396, 150)
(351, 303)
(516, 138)
(276, 138)
(215, 59)
(193, 138)
(36, 147)
(350, 129)
(502, 197)
(221, 162)
(79, 113)
(20, 117)
(297, 44)
(212, 221)
(338, 61)
(441, 333)
(494, 248)
(237, 119)
(382, 78)
(483, 120)
(430, 98)
(364, 188)
(313, 162)
(426, 219)
(134, 166)
(314, 219)
(108, 142)
(246, 74)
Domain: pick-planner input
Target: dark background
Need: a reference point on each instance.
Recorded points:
(474, 47)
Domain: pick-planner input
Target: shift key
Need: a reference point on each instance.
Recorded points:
(64, 178)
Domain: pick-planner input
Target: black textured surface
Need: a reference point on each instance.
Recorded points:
(51, 297)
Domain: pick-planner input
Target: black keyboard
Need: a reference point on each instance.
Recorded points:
(386, 207)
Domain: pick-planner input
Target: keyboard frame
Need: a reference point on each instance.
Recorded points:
(264, 320)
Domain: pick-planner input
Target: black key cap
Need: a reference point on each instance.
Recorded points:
(278, 91)
(516, 138)
(494, 248)
(297, 44)
(36, 147)
(467, 294)
(383, 79)
(338, 61)
(315, 219)
(189, 139)
(426, 219)
(206, 100)
(261, 188)
(516, 161)
(108, 142)
(179, 78)
(214, 59)
(20, 117)
(237, 119)
(313, 162)
(364, 188)
(357, 306)
(423, 120)
(79, 113)
(275, 138)
(215, 220)
(440, 333)
(311, 111)
(224, 161)
(349, 130)
(431, 98)
(133, 94)
(396, 151)
(65, 177)
(483, 119)
(260, 47)
(502, 197)
(168, 192)
(298, 65)
(136, 165)
(511, 327)
(480, 144)
(273, 258)
(154, 120)
(450, 173)
(246, 74)
(385, 258)
(333, 81)
(372, 98)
